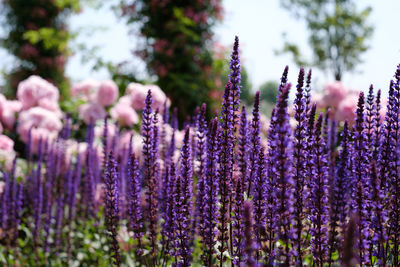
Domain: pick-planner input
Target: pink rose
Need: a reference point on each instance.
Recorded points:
(334, 93)
(124, 114)
(137, 93)
(10, 111)
(85, 89)
(91, 111)
(347, 108)
(50, 105)
(33, 89)
(126, 99)
(317, 98)
(38, 117)
(6, 143)
(107, 93)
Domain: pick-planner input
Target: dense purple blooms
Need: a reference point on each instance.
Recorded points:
(360, 181)
(319, 197)
(299, 168)
(255, 145)
(202, 165)
(135, 209)
(235, 80)
(225, 174)
(150, 170)
(314, 192)
(112, 207)
(183, 208)
(282, 181)
(211, 192)
(339, 194)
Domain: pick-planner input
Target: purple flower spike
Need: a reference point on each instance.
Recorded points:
(378, 220)
(241, 181)
(235, 80)
(112, 207)
(150, 173)
(201, 136)
(339, 194)
(225, 172)
(299, 168)
(211, 192)
(360, 180)
(135, 211)
(168, 231)
(259, 200)
(319, 197)
(255, 144)
(183, 207)
(282, 173)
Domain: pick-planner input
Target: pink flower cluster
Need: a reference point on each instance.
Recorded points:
(38, 110)
(98, 96)
(341, 100)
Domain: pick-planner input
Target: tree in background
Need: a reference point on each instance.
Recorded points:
(176, 45)
(338, 33)
(269, 92)
(37, 35)
(268, 95)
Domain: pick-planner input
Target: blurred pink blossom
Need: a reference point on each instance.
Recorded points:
(6, 143)
(334, 93)
(124, 114)
(38, 118)
(33, 89)
(107, 93)
(8, 116)
(347, 108)
(137, 93)
(51, 106)
(85, 89)
(91, 111)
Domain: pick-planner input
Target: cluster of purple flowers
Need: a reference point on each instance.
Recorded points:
(316, 193)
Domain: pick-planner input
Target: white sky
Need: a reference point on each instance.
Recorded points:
(259, 25)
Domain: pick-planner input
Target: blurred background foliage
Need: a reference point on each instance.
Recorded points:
(338, 34)
(176, 42)
(37, 36)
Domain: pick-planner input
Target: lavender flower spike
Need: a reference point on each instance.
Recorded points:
(235, 79)
(319, 197)
(299, 171)
(112, 207)
(282, 174)
(183, 208)
(211, 192)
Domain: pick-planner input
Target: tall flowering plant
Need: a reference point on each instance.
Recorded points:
(215, 194)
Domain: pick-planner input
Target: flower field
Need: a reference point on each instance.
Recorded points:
(119, 181)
